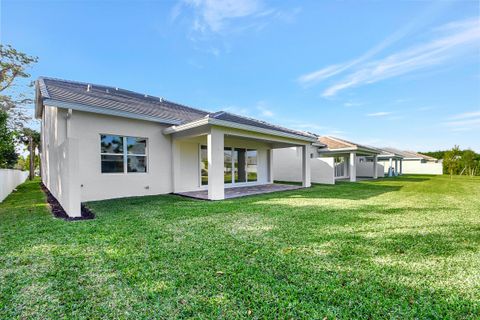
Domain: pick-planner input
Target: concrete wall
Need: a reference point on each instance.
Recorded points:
(9, 180)
(287, 166)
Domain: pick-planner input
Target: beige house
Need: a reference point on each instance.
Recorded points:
(101, 142)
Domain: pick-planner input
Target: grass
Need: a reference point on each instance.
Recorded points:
(400, 248)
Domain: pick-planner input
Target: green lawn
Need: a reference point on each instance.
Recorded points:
(394, 248)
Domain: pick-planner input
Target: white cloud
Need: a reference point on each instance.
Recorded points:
(460, 39)
(450, 40)
(379, 114)
(265, 111)
(466, 115)
(466, 121)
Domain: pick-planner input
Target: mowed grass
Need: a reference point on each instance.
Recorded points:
(400, 248)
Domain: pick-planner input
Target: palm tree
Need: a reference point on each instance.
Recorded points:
(31, 139)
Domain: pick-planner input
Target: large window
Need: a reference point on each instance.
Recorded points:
(239, 165)
(123, 154)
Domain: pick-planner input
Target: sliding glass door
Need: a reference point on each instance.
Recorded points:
(239, 165)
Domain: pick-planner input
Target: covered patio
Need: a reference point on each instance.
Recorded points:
(351, 160)
(391, 161)
(237, 192)
(226, 156)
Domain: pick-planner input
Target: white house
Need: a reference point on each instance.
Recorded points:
(351, 160)
(414, 163)
(331, 159)
(101, 142)
(392, 162)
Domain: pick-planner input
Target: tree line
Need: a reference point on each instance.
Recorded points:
(457, 161)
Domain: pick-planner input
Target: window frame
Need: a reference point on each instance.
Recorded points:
(125, 154)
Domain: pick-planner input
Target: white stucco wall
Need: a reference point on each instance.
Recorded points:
(287, 166)
(365, 169)
(9, 180)
(95, 185)
(417, 167)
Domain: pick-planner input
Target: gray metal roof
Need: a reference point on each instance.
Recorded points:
(124, 102)
(230, 117)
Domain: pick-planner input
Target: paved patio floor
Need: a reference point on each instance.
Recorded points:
(237, 192)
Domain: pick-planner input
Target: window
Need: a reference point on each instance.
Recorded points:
(204, 165)
(251, 165)
(239, 165)
(123, 154)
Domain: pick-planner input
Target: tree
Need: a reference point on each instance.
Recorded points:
(469, 162)
(8, 155)
(451, 160)
(31, 139)
(13, 66)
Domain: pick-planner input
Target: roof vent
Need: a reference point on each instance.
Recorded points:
(89, 87)
(146, 95)
(116, 88)
(106, 90)
(161, 99)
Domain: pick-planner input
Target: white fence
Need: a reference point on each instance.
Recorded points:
(9, 180)
(417, 167)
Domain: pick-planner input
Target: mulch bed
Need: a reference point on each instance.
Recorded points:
(59, 212)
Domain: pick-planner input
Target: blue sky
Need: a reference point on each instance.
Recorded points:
(403, 74)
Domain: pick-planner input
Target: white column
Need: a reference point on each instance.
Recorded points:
(306, 182)
(390, 166)
(396, 167)
(215, 165)
(270, 165)
(353, 167)
(175, 165)
(375, 165)
(401, 167)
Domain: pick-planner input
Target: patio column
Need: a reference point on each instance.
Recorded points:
(401, 167)
(353, 167)
(270, 165)
(396, 167)
(375, 165)
(390, 166)
(306, 182)
(215, 165)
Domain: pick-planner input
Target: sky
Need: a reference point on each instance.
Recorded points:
(404, 74)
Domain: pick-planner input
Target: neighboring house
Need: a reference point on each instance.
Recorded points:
(351, 160)
(392, 162)
(415, 163)
(101, 142)
(331, 159)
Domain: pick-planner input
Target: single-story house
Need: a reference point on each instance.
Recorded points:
(413, 162)
(331, 159)
(101, 142)
(392, 162)
(351, 160)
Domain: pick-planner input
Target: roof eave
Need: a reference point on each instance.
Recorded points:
(92, 109)
(234, 125)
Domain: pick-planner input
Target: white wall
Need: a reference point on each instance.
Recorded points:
(417, 167)
(9, 180)
(95, 185)
(365, 169)
(287, 166)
